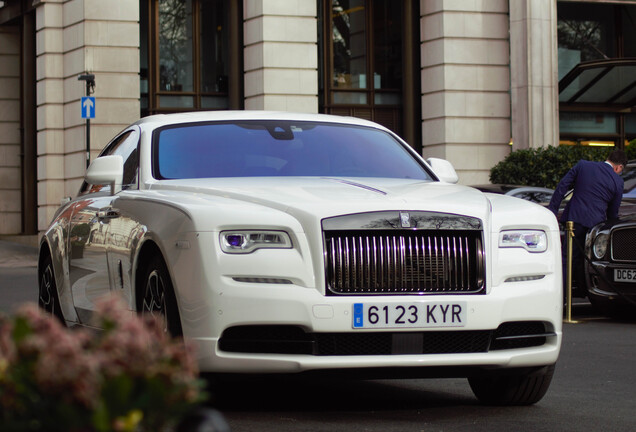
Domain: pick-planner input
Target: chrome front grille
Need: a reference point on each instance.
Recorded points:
(415, 259)
(624, 244)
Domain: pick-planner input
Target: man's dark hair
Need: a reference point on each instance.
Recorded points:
(617, 157)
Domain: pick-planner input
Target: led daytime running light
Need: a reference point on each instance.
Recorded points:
(249, 241)
(530, 240)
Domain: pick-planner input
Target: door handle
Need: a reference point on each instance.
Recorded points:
(107, 214)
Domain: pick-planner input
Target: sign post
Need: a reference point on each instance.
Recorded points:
(87, 108)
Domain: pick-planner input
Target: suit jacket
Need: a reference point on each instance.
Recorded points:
(598, 191)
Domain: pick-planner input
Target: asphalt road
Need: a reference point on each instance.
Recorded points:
(594, 387)
(18, 275)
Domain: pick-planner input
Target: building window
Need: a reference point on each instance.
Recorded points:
(585, 32)
(362, 59)
(188, 55)
(593, 100)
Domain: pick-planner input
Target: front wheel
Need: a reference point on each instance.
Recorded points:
(612, 308)
(512, 387)
(48, 298)
(158, 298)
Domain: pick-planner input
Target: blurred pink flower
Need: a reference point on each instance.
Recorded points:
(78, 367)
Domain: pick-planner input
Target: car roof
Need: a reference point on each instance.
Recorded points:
(203, 116)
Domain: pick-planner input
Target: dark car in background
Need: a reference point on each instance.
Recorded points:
(611, 251)
(539, 195)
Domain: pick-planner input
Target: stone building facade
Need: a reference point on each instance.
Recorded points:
(478, 78)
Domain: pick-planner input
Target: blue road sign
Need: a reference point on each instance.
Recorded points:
(88, 107)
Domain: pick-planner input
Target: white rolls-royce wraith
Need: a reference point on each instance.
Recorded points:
(288, 243)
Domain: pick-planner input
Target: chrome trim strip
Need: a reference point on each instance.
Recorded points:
(546, 334)
(420, 220)
(356, 184)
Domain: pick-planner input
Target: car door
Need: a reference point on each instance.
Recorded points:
(124, 232)
(88, 271)
(91, 233)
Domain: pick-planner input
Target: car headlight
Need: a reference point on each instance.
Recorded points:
(530, 240)
(248, 241)
(600, 245)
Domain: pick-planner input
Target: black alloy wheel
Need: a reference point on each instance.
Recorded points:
(158, 299)
(48, 298)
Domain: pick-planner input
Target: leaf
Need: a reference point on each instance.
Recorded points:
(544, 167)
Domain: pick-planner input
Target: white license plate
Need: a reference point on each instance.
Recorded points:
(409, 315)
(623, 275)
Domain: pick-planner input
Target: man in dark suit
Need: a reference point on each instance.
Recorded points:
(598, 190)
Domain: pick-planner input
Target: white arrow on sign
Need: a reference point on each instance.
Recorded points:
(88, 105)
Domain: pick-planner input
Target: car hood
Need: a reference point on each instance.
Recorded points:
(212, 202)
(627, 210)
(626, 216)
(322, 197)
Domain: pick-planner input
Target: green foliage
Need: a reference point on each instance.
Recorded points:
(544, 167)
(80, 230)
(630, 150)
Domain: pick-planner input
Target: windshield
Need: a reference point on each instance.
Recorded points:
(280, 148)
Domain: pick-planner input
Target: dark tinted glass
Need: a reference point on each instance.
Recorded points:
(256, 148)
(387, 37)
(175, 45)
(585, 32)
(349, 44)
(214, 45)
(629, 177)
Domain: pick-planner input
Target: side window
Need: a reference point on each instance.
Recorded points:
(127, 148)
(125, 145)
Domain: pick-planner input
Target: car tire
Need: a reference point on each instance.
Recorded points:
(48, 298)
(612, 308)
(512, 387)
(157, 297)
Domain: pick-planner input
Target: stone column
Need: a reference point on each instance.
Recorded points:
(281, 55)
(534, 73)
(10, 187)
(49, 27)
(75, 37)
(465, 84)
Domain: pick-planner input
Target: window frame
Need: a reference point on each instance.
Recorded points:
(234, 93)
(370, 63)
(403, 118)
(621, 134)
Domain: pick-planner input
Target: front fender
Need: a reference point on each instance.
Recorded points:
(55, 243)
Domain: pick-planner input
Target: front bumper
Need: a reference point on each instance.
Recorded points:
(259, 306)
(602, 287)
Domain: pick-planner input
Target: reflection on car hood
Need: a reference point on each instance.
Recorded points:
(324, 197)
(626, 214)
(627, 210)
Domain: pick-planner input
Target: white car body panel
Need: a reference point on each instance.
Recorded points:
(184, 219)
